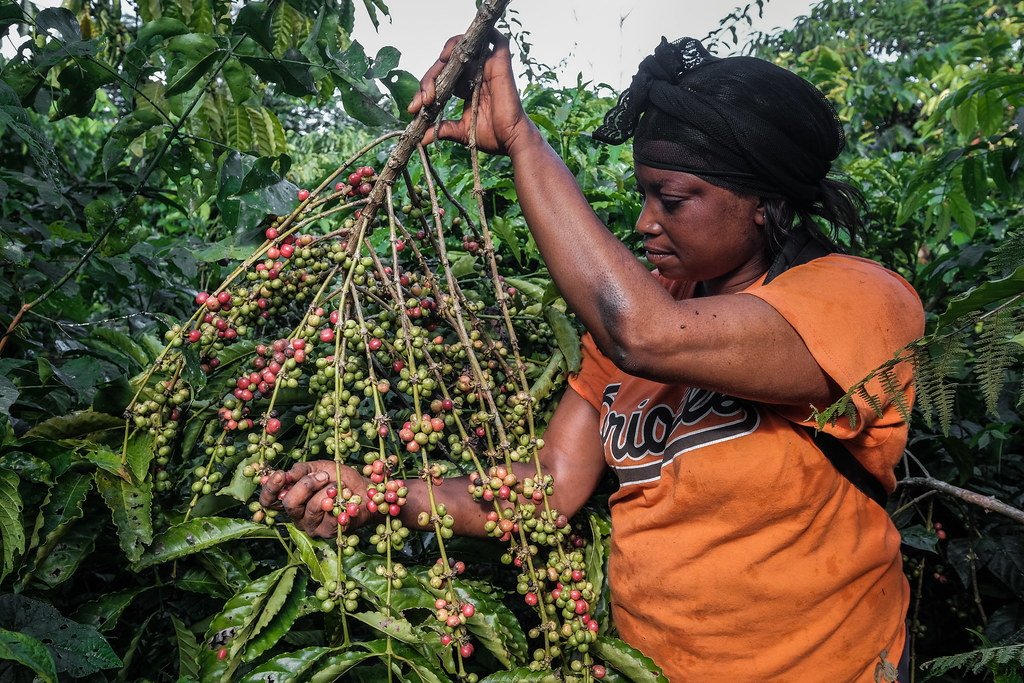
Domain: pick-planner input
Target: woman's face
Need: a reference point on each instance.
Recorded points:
(693, 230)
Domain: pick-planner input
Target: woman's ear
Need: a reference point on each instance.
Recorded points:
(759, 213)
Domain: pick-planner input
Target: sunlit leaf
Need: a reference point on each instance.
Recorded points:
(627, 660)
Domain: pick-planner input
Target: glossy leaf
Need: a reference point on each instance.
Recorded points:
(12, 532)
(300, 665)
(84, 425)
(389, 625)
(279, 613)
(320, 558)
(567, 336)
(78, 650)
(627, 660)
(255, 19)
(60, 20)
(60, 510)
(188, 650)
(199, 52)
(497, 628)
(28, 652)
(14, 118)
(104, 612)
(246, 625)
(62, 561)
(131, 508)
(196, 535)
(979, 297)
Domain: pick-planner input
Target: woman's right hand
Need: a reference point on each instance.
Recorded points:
(300, 492)
(501, 119)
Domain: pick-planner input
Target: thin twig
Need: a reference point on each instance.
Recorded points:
(986, 502)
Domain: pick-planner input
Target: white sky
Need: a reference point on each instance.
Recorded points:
(604, 40)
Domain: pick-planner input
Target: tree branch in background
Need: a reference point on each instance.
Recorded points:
(987, 502)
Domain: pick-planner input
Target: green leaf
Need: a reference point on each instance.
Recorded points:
(80, 426)
(104, 458)
(385, 62)
(14, 118)
(238, 81)
(239, 625)
(8, 395)
(29, 652)
(241, 487)
(279, 613)
(504, 230)
(964, 117)
(12, 532)
(104, 612)
(566, 336)
(10, 14)
(917, 536)
(319, 557)
(519, 675)
(124, 133)
(140, 455)
(362, 106)
(299, 666)
(497, 628)
(61, 20)
(403, 86)
(256, 20)
(200, 52)
(389, 625)
(262, 173)
(463, 266)
(627, 660)
(63, 506)
(77, 544)
(983, 295)
(189, 650)
(153, 32)
(526, 287)
(131, 507)
(79, 650)
(196, 535)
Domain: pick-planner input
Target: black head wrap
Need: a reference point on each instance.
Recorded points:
(740, 122)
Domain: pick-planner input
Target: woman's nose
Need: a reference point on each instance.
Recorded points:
(647, 223)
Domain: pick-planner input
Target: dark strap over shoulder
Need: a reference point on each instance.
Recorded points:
(798, 250)
(849, 466)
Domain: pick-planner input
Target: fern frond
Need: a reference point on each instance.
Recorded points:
(1009, 255)
(893, 387)
(995, 353)
(872, 400)
(933, 390)
(977, 660)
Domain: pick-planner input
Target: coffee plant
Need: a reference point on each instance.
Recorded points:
(386, 340)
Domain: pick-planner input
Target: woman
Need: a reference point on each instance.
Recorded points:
(739, 550)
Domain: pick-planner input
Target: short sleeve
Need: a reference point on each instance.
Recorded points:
(853, 315)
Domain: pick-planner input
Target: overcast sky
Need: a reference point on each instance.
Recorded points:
(602, 39)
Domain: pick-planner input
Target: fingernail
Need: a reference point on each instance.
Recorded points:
(320, 476)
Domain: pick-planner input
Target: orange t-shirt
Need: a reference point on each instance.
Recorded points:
(738, 552)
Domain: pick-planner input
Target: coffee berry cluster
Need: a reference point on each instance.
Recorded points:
(343, 337)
